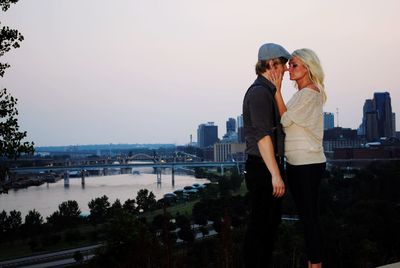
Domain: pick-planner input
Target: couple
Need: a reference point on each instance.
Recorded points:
(273, 130)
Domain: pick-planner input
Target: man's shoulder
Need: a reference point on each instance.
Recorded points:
(258, 90)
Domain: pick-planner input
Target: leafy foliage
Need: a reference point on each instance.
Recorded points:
(145, 200)
(11, 145)
(68, 215)
(99, 209)
(5, 4)
(33, 222)
(128, 243)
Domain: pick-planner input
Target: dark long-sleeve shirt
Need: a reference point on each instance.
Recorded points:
(261, 117)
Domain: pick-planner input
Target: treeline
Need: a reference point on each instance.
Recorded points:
(40, 233)
(360, 218)
(68, 225)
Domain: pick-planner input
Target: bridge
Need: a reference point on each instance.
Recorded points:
(158, 166)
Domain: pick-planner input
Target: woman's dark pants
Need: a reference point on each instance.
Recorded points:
(304, 182)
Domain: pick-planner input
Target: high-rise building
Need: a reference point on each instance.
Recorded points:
(371, 126)
(394, 124)
(329, 121)
(367, 108)
(230, 125)
(240, 129)
(377, 117)
(207, 135)
(383, 107)
(231, 135)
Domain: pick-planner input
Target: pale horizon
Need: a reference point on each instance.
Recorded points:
(137, 72)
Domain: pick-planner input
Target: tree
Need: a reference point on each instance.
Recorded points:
(145, 201)
(5, 4)
(68, 214)
(128, 243)
(11, 144)
(130, 206)
(3, 224)
(99, 209)
(116, 208)
(200, 212)
(14, 222)
(33, 222)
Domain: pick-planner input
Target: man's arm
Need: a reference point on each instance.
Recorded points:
(267, 152)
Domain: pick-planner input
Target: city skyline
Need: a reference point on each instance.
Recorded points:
(150, 72)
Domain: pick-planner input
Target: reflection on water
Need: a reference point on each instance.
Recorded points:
(47, 197)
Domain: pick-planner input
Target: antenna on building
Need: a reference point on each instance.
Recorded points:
(190, 139)
(337, 117)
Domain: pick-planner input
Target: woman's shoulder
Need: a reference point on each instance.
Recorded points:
(311, 90)
(304, 99)
(310, 94)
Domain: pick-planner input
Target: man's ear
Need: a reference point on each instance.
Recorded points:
(270, 64)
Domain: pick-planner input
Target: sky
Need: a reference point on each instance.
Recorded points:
(130, 71)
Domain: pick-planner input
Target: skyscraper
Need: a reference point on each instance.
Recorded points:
(230, 125)
(371, 126)
(207, 135)
(329, 121)
(383, 108)
(231, 135)
(394, 124)
(240, 129)
(377, 117)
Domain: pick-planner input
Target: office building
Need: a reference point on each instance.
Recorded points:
(329, 121)
(341, 138)
(207, 135)
(230, 125)
(383, 108)
(240, 129)
(231, 135)
(224, 151)
(378, 120)
(394, 124)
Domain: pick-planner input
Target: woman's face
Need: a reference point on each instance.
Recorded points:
(297, 69)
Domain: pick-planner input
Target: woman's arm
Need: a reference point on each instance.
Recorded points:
(280, 103)
(276, 79)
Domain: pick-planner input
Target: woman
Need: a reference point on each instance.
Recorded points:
(302, 120)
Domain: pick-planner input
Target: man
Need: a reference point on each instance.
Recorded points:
(264, 164)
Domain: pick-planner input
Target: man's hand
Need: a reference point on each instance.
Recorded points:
(278, 186)
(267, 152)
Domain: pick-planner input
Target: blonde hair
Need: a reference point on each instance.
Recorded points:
(313, 65)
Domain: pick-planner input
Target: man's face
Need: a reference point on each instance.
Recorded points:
(278, 67)
(281, 68)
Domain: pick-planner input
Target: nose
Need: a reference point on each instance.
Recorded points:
(285, 68)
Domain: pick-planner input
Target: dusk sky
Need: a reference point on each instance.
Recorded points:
(127, 71)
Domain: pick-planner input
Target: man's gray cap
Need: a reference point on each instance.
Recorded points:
(271, 51)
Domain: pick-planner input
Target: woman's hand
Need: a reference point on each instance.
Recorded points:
(275, 78)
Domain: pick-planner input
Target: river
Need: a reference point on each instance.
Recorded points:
(46, 197)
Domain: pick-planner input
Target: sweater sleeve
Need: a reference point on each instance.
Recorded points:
(302, 109)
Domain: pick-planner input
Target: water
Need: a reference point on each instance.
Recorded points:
(47, 197)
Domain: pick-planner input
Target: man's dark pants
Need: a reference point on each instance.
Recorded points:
(265, 214)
